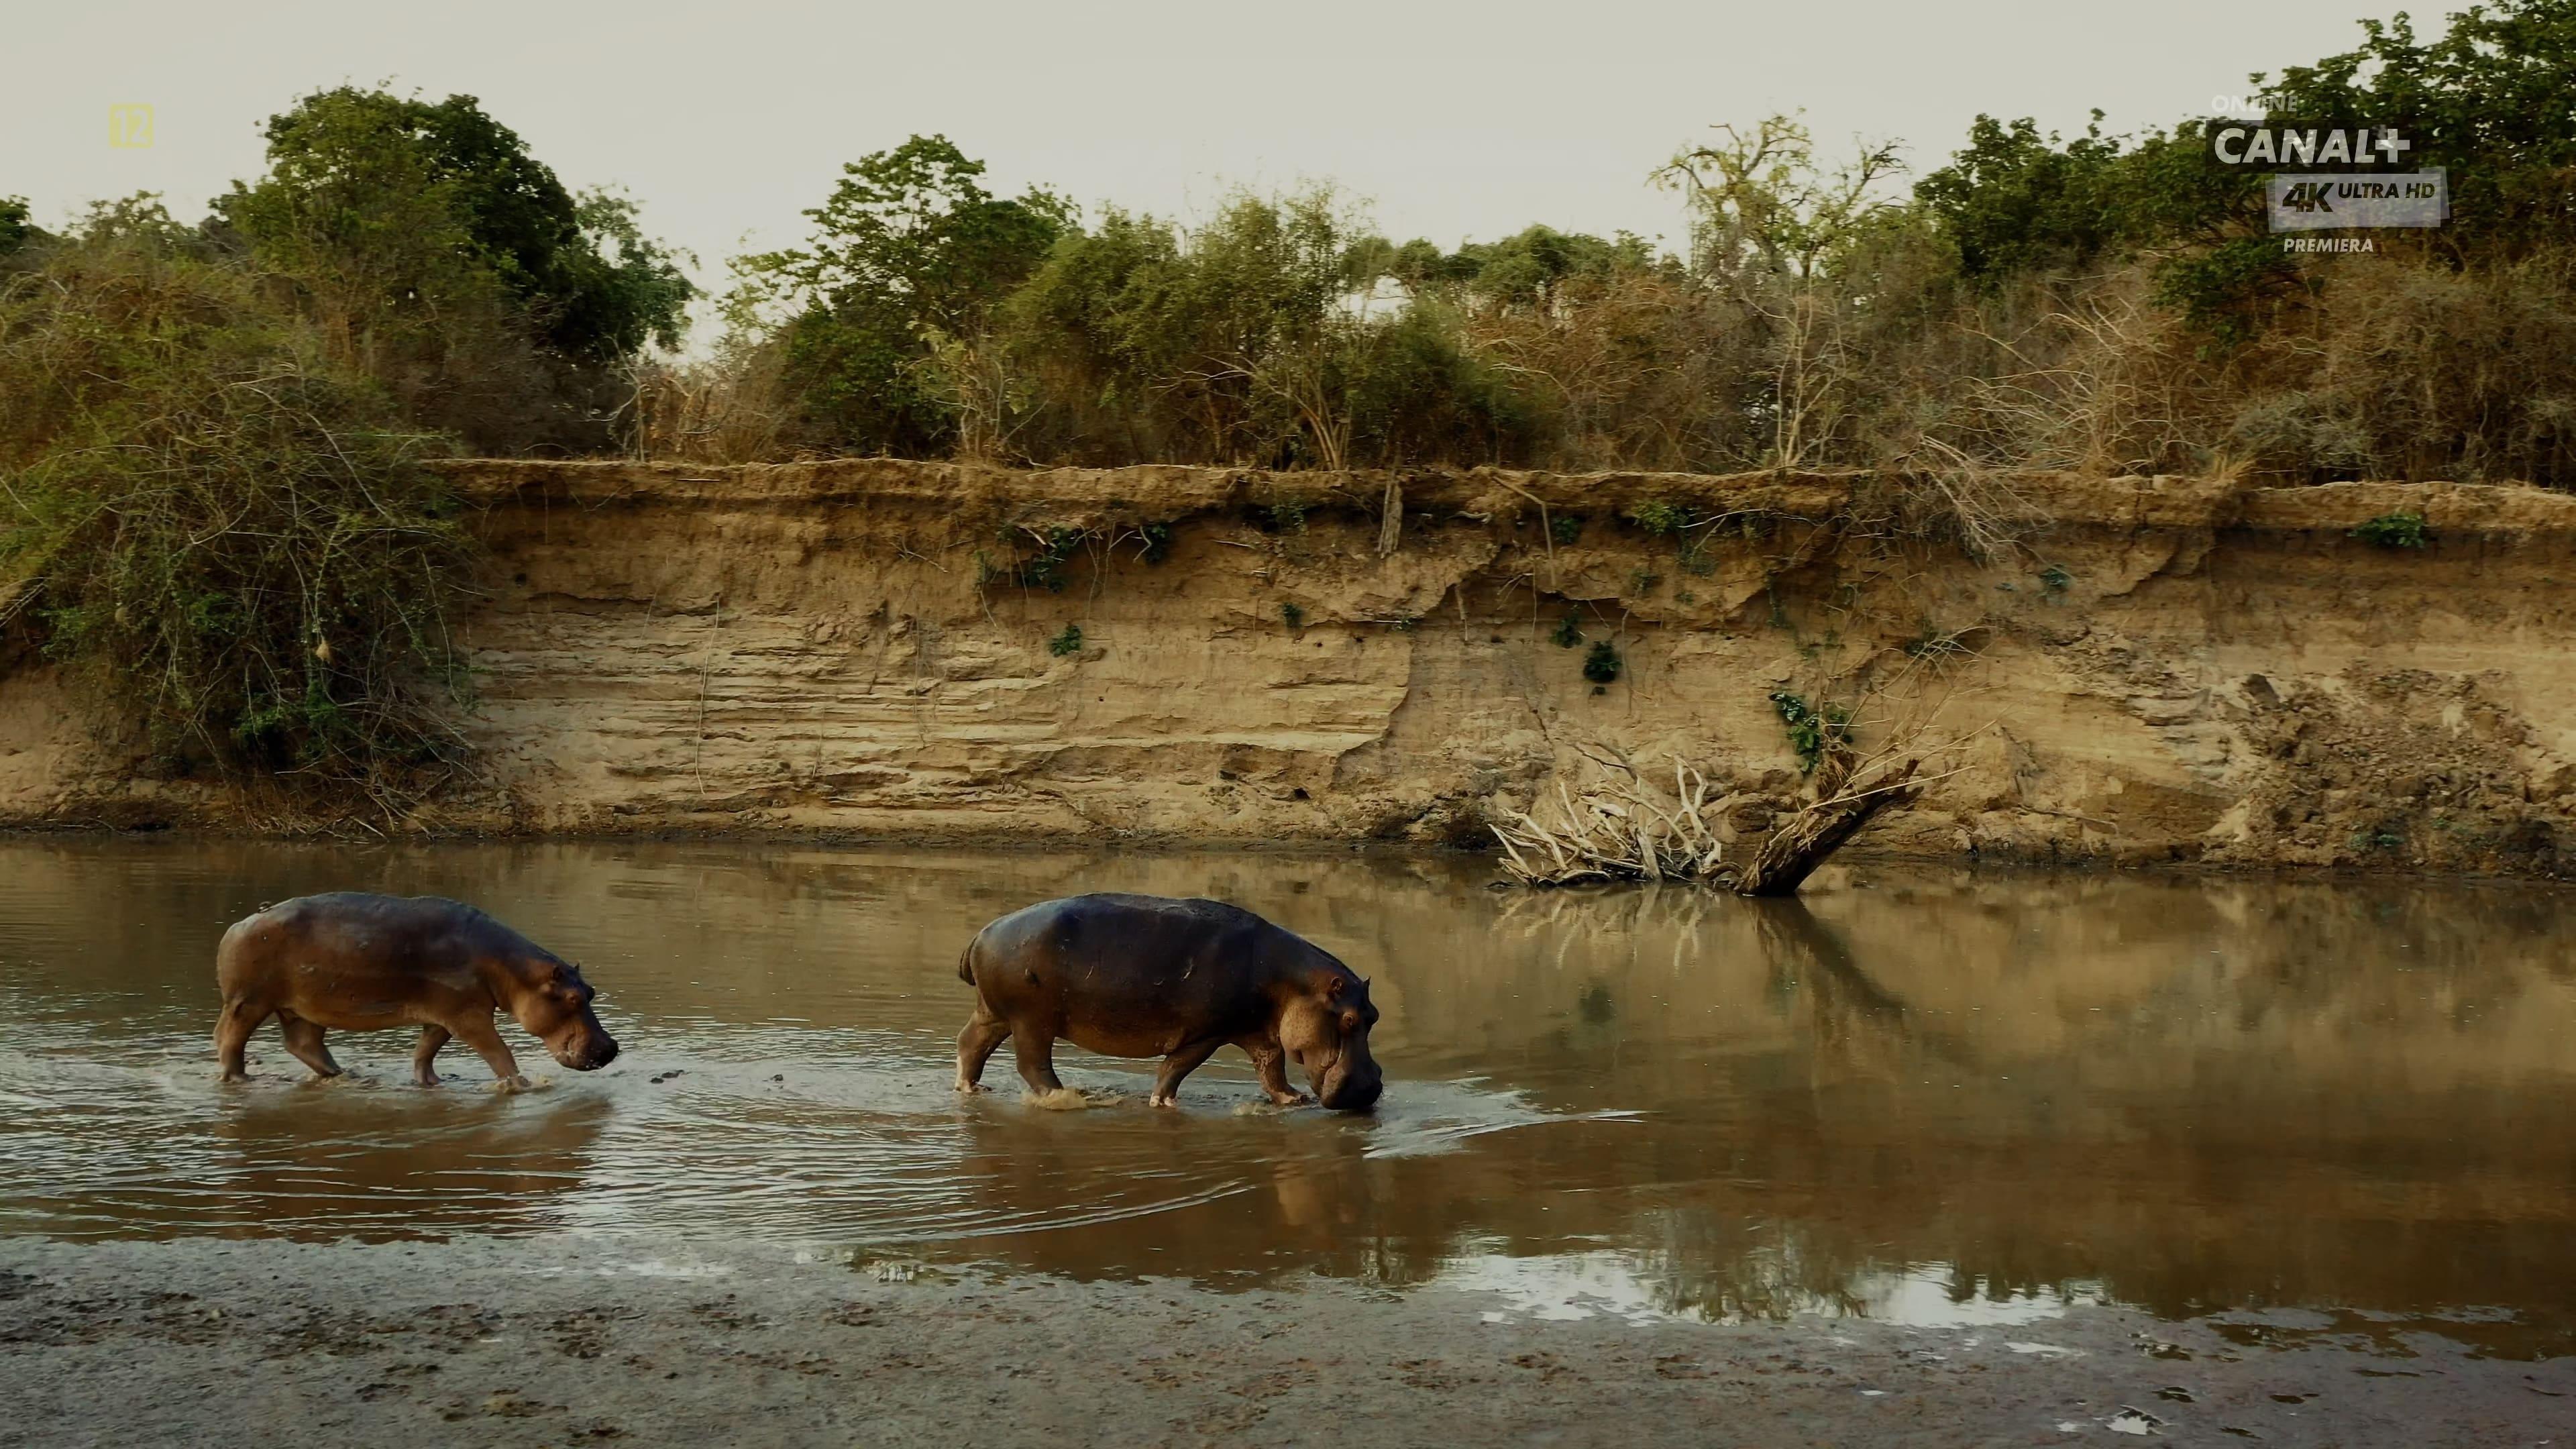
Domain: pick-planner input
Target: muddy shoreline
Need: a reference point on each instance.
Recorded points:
(1859, 859)
(559, 1339)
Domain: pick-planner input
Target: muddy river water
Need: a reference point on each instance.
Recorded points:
(1924, 1095)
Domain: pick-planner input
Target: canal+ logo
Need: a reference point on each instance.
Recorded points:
(2335, 147)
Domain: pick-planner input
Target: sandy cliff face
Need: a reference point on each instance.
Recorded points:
(2169, 669)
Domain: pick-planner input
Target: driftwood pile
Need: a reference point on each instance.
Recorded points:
(1628, 829)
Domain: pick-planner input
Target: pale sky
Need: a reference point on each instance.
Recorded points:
(1453, 121)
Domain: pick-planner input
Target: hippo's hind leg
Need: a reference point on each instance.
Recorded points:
(232, 1035)
(1179, 1064)
(423, 1057)
(975, 1045)
(304, 1043)
(1036, 1053)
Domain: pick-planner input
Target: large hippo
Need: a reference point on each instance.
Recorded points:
(1148, 976)
(356, 962)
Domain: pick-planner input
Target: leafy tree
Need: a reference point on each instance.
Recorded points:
(2013, 200)
(16, 231)
(2488, 101)
(1761, 203)
(1260, 338)
(437, 253)
(1530, 268)
(908, 251)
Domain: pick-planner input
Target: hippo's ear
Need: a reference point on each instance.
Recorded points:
(1332, 988)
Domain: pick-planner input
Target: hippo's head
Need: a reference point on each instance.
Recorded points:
(1325, 1031)
(555, 1008)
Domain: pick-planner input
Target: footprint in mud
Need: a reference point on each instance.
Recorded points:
(1075, 1099)
(1264, 1107)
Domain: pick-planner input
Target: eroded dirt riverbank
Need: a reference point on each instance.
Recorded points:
(2164, 669)
(559, 1341)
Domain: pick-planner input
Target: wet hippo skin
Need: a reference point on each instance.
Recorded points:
(354, 962)
(1149, 976)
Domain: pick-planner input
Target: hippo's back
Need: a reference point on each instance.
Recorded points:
(1077, 927)
(389, 932)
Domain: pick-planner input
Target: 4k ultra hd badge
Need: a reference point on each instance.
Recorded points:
(2322, 203)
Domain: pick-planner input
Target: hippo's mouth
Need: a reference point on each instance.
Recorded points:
(1342, 1088)
(589, 1056)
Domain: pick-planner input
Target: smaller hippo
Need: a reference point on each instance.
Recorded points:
(1145, 976)
(356, 962)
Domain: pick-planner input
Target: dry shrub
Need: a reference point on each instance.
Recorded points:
(219, 529)
(2409, 369)
(1641, 370)
(726, 409)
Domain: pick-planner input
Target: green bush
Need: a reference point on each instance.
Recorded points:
(1068, 642)
(217, 526)
(1601, 663)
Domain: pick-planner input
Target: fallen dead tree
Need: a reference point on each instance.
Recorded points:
(1629, 827)
(1791, 853)
(1626, 829)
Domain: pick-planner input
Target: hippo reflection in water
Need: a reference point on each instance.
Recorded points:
(355, 962)
(1146, 976)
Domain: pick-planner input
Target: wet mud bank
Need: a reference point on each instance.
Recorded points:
(2164, 669)
(554, 1340)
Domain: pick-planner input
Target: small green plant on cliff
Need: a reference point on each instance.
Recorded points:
(1569, 630)
(1812, 731)
(1068, 642)
(2393, 530)
(1288, 515)
(1046, 567)
(1158, 542)
(1565, 528)
(1601, 664)
(2055, 578)
(1661, 519)
(1291, 615)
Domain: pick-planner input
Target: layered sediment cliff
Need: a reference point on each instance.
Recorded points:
(2165, 669)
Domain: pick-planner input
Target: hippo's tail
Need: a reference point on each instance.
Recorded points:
(966, 961)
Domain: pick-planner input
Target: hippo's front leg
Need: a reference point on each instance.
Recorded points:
(1271, 1060)
(477, 1032)
(1179, 1064)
